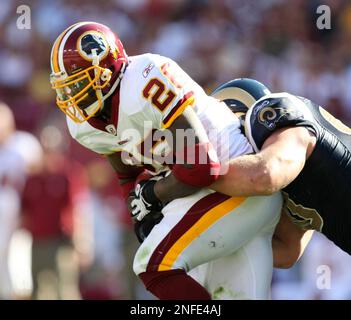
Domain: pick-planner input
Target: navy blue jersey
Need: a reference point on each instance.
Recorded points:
(320, 197)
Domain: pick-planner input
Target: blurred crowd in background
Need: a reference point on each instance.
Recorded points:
(64, 231)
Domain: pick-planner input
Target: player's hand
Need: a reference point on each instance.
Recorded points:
(143, 228)
(142, 200)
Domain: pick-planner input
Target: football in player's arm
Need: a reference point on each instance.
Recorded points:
(170, 102)
(185, 179)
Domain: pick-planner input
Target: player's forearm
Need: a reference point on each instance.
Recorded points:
(264, 173)
(247, 175)
(170, 188)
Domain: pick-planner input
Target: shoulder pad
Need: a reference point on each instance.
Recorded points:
(272, 112)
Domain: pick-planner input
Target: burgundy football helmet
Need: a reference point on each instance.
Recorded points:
(87, 63)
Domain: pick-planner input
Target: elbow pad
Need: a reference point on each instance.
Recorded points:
(197, 165)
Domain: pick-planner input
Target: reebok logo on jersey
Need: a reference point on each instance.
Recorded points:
(148, 69)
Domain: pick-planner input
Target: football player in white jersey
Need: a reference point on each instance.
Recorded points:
(134, 111)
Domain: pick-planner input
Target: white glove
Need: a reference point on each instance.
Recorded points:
(139, 206)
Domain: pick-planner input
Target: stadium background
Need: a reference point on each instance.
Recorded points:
(61, 218)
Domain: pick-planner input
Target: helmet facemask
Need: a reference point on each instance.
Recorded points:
(80, 95)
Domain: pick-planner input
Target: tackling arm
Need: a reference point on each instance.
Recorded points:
(279, 162)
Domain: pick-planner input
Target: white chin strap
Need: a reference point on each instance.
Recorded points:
(91, 109)
(118, 80)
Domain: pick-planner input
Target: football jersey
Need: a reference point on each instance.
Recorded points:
(319, 198)
(153, 92)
